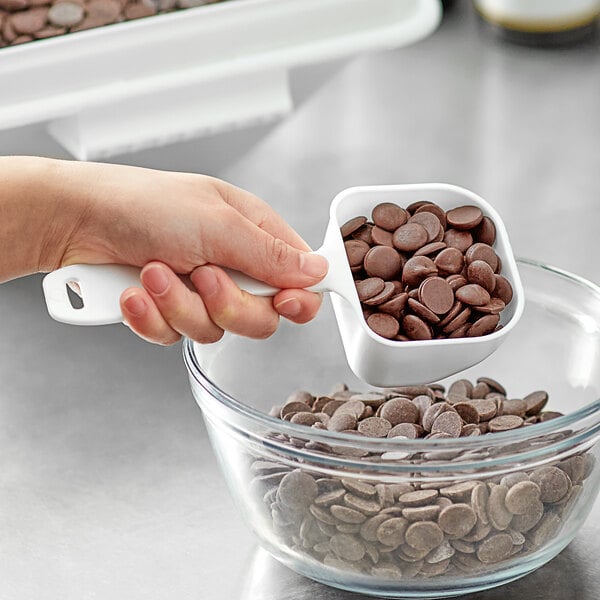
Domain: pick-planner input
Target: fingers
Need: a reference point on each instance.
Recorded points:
(239, 312)
(166, 309)
(142, 316)
(231, 308)
(298, 306)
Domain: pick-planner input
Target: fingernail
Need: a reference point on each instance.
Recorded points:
(155, 279)
(135, 305)
(290, 307)
(206, 282)
(313, 265)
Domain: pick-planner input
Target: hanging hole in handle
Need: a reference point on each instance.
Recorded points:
(74, 294)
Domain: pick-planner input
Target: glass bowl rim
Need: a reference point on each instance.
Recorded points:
(279, 426)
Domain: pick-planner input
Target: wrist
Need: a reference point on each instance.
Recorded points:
(36, 215)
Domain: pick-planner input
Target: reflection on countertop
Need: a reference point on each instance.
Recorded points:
(562, 578)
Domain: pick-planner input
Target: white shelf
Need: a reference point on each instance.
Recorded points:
(175, 76)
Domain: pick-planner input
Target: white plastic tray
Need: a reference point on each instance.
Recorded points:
(175, 76)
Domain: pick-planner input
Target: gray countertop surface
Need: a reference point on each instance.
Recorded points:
(108, 485)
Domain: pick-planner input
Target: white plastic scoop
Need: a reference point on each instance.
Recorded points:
(376, 360)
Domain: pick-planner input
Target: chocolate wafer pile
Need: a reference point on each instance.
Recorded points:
(359, 522)
(23, 21)
(423, 273)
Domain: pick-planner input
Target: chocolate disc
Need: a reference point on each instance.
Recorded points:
(349, 227)
(464, 217)
(385, 262)
(367, 288)
(436, 294)
(389, 216)
(410, 237)
(384, 325)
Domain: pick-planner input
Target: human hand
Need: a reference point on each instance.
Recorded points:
(178, 223)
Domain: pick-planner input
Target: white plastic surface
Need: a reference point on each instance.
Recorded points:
(175, 76)
(376, 360)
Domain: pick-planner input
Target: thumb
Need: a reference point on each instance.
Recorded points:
(244, 246)
(236, 242)
(282, 265)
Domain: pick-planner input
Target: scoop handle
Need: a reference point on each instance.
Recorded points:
(101, 287)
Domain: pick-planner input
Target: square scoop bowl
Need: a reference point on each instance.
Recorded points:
(374, 359)
(385, 363)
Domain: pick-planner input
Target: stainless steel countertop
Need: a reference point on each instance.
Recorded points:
(108, 486)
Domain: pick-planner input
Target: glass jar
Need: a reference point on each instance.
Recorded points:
(540, 22)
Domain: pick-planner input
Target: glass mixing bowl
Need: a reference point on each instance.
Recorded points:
(288, 479)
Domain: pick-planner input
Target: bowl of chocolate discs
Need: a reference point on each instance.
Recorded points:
(438, 489)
